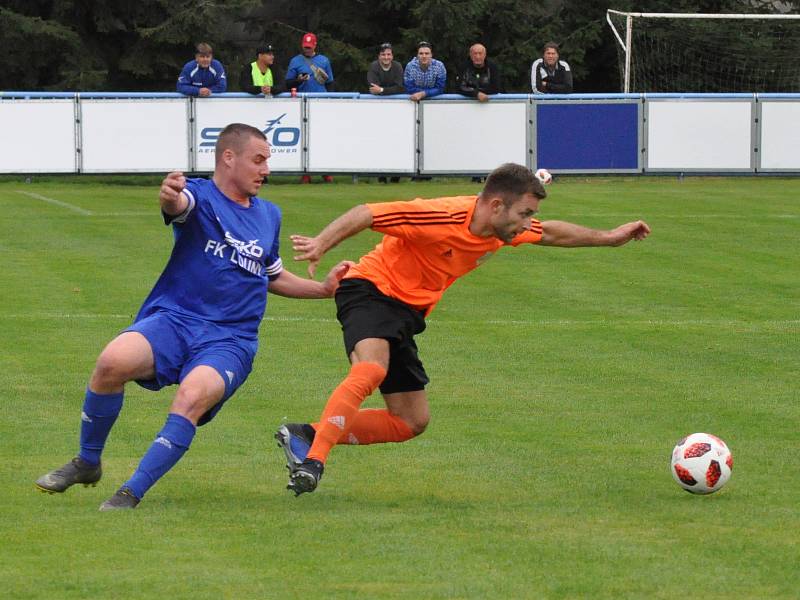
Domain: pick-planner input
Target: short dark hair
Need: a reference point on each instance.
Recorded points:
(234, 136)
(265, 49)
(385, 46)
(511, 182)
(203, 48)
(424, 45)
(552, 45)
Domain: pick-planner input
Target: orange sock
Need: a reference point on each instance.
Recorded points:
(342, 407)
(374, 426)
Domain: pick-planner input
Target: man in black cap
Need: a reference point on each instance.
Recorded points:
(263, 76)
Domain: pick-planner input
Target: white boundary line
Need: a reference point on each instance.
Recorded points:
(83, 211)
(72, 207)
(89, 213)
(504, 322)
(649, 217)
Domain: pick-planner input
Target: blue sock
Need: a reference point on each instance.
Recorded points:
(170, 444)
(98, 416)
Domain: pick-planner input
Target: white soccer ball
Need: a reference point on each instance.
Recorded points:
(544, 176)
(701, 463)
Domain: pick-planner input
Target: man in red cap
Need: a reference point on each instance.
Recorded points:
(310, 72)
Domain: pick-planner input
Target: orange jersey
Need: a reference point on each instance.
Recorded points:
(427, 246)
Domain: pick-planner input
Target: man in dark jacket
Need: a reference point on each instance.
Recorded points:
(262, 76)
(385, 75)
(549, 75)
(480, 77)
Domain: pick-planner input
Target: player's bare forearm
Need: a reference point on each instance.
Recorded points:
(313, 249)
(173, 201)
(290, 285)
(570, 235)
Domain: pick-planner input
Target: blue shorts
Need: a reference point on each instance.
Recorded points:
(182, 343)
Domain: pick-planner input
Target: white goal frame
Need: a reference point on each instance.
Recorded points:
(629, 16)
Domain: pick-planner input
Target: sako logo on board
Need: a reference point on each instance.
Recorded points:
(282, 139)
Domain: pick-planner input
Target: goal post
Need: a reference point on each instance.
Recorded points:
(702, 52)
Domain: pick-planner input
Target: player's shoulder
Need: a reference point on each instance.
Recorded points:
(455, 204)
(537, 62)
(451, 210)
(266, 206)
(199, 185)
(564, 64)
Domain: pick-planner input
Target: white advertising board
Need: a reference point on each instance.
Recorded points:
(280, 120)
(780, 135)
(699, 135)
(38, 136)
(471, 136)
(361, 135)
(135, 135)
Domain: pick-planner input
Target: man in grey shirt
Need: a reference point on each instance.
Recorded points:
(385, 75)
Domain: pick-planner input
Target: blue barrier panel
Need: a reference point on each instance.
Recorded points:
(587, 136)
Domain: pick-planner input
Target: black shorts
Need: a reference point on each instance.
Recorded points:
(365, 312)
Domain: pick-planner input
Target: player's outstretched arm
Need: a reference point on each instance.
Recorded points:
(569, 235)
(173, 200)
(313, 249)
(291, 286)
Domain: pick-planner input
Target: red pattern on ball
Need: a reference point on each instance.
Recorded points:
(713, 474)
(697, 449)
(684, 475)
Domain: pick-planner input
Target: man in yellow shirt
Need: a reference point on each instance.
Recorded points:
(263, 76)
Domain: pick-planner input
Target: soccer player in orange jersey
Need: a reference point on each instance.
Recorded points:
(382, 302)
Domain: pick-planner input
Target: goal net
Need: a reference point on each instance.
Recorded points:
(662, 52)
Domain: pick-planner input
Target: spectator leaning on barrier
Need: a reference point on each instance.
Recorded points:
(549, 75)
(262, 76)
(385, 75)
(480, 76)
(425, 77)
(202, 76)
(309, 71)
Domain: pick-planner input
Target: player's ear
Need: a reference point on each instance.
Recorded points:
(227, 156)
(496, 204)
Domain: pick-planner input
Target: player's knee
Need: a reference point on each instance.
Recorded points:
(109, 372)
(192, 401)
(418, 423)
(187, 400)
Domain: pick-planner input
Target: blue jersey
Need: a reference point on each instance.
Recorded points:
(193, 77)
(223, 258)
(300, 65)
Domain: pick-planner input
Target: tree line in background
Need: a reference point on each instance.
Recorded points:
(141, 45)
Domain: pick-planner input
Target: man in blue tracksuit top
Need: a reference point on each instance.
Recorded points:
(309, 71)
(198, 327)
(202, 76)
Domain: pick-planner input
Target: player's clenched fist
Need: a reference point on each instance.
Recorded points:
(173, 202)
(172, 186)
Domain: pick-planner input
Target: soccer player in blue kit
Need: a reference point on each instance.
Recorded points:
(199, 325)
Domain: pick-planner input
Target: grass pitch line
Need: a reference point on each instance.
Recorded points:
(83, 211)
(718, 323)
(53, 201)
(650, 216)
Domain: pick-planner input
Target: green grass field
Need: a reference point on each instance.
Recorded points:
(561, 380)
